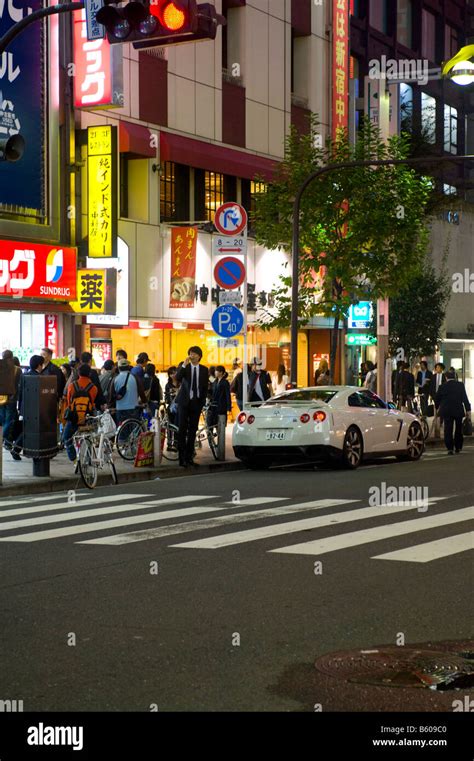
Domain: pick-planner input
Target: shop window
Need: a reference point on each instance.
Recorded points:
(451, 42)
(213, 194)
(379, 15)
(449, 190)
(406, 107)
(167, 191)
(450, 129)
(256, 188)
(405, 23)
(428, 117)
(355, 74)
(428, 35)
(174, 192)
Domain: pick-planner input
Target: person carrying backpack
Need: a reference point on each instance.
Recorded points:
(81, 396)
(127, 389)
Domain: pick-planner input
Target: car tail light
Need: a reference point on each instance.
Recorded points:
(319, 416)
(305, 418)
(242, 417)
(251, 419)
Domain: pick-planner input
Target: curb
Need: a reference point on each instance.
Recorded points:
(147, 474)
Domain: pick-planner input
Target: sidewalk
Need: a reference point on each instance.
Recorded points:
(18, 476)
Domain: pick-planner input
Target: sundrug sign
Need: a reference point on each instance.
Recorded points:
(360, 315)
(37, 271)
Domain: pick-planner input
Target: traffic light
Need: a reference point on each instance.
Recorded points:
(159, 22)
(12, 148)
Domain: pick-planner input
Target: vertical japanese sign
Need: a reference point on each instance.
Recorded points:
(183, 266)
(340, 66)
(98, 69)
(95, 31)
(51, 333)
(102, 191)
(23, 102)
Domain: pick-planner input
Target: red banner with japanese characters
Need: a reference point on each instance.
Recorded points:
(183, 266)
(340, 66)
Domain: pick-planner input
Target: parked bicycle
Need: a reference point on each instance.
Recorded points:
(94, 445)
(208, 431)
(417, 410)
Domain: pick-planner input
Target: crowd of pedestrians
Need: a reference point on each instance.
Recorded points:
(125, 388)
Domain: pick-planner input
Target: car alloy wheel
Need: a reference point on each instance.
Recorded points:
(415, 442)
(352, 449)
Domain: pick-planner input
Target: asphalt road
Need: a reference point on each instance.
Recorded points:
(198, 614)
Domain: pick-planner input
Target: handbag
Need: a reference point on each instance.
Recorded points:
(467, 426)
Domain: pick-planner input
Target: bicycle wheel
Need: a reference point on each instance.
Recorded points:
(88, 463)
(212, 440)
(424, 427)
(127, 438)
(170, 444)
(109, 460)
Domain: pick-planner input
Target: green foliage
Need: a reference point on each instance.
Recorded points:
(418, 311)
(365, 226)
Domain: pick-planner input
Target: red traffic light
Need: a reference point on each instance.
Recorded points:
(171, 15)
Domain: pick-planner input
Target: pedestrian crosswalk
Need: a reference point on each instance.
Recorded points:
(218, 523)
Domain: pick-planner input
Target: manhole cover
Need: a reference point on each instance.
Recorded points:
(442, 666)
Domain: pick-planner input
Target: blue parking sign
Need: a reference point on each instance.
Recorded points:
(227, 321)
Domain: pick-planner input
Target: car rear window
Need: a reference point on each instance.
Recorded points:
(303, 395)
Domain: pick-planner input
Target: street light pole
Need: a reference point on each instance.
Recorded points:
(296, 231)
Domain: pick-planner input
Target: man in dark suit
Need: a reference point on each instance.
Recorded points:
(194, 380)
(403, 386)
(423, 380)
(437, 379)
(452, 402)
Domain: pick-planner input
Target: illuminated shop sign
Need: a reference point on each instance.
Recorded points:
(102, 191)
(98, 78)
(37, 271)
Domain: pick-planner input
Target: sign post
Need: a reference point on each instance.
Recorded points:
(230, 273)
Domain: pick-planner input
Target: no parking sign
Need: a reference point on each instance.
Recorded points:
(229, 273)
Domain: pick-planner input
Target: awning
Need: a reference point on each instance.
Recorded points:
(214, 158)
(136, 140)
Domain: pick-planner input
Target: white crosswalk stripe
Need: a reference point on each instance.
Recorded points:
(63, 505)
(355, 538)
(99, 525)
(440, 548)
(280, 529)
(183, 528)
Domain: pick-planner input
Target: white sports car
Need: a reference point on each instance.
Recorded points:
(336, 423)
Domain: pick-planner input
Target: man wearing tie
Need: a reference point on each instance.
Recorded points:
(438, 378)
(423, 380)
(194, 380)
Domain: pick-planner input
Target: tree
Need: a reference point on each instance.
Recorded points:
(362, 229)
(417, 313)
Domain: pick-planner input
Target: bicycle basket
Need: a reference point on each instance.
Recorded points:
(107, 424)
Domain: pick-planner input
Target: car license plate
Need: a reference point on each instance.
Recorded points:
(280, 435)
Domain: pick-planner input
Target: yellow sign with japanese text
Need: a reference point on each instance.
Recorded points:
(102, 191)
(91, 292)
